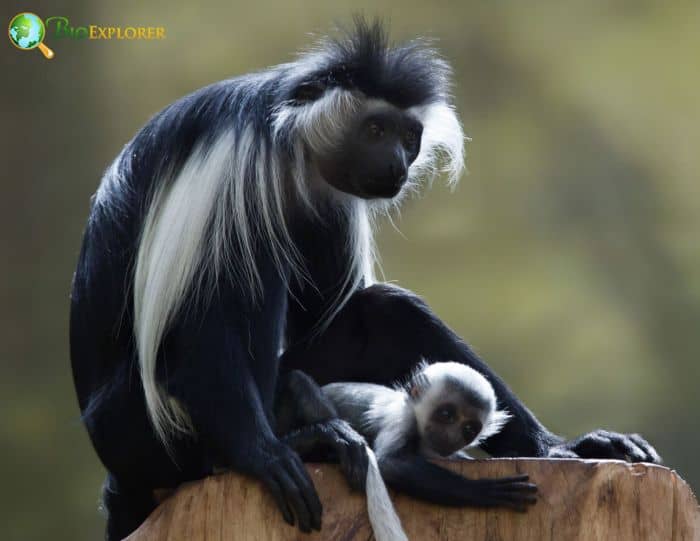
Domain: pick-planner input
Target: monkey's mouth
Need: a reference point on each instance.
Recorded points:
(444, 449)
(381, 189)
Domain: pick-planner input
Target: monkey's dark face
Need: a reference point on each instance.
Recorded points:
(451, 427)
(373, 160)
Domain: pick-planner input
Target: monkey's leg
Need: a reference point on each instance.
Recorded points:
(229, 400)
(308, 421)
(299, 401)
(383, 331)
(339, 436)
(417, 477)
(126, 508)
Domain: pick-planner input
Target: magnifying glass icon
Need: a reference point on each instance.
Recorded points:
(27, 32)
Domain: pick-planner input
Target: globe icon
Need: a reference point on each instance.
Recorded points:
(27, 32)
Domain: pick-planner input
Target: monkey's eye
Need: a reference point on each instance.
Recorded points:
(375, 129)
(309, 91)
(411, 137)
(445, 414)
(412, 134)
(471, 430)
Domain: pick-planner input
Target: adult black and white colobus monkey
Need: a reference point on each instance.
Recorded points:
(238, 222)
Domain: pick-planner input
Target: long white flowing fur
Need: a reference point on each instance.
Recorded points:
(229, 194)
(442, 143)
(172, 242)
(235, 192)
(386, 524)
(391, 413)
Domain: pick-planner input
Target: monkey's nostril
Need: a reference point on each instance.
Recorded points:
(398, 173)
(471, 430)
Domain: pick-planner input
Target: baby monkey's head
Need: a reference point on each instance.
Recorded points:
(455, 407)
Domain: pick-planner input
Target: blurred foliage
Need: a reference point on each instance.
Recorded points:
(568, 256)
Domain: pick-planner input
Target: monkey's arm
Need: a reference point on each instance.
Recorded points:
(383, 331)
(415, 476)
(210, 374)
(307, 421)
(299, 401)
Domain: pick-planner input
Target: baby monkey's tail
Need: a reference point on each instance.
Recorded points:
(386, 524)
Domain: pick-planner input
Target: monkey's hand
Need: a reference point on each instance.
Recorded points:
(514, 492)
(340, 437)
(417, 477)
(352, 452)
(605, 444)
(284, 475)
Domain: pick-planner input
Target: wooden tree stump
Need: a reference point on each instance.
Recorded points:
(579, 500)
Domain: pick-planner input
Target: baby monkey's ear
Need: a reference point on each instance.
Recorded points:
(417, 385)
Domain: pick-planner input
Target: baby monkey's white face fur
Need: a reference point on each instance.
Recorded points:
(454, 406)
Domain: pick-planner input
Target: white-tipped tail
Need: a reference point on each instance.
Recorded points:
(386, 524)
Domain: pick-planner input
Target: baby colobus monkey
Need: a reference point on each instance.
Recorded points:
(382, 434)
(454, 408)
(443, 409)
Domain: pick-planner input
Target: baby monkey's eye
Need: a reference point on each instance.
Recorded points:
(445, 414)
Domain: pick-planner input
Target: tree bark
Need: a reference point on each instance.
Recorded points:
(579, 500)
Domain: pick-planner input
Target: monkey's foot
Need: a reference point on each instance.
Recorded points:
(604, 444)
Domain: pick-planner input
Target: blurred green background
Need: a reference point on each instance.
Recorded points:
(568, 255)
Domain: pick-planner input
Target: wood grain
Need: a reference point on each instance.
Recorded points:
(579, 500)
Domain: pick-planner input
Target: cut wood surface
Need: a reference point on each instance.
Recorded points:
(578, 500)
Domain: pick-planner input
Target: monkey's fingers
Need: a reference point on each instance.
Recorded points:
(300, 496)
(517, 494)
(293, 490)
(606, 444)
(274, 488)
(633, 447)
(511, 492)
(651, 454)
(308, 491)
(521, 478)
(350, 464)
(518, 488)
(631, 451)
(346, 432)
(294, 499)
(597, 445)
(352, 452)
(359, 462)
(355, 465)
(562, 452)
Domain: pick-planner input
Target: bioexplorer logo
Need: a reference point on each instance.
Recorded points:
(27, 31)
